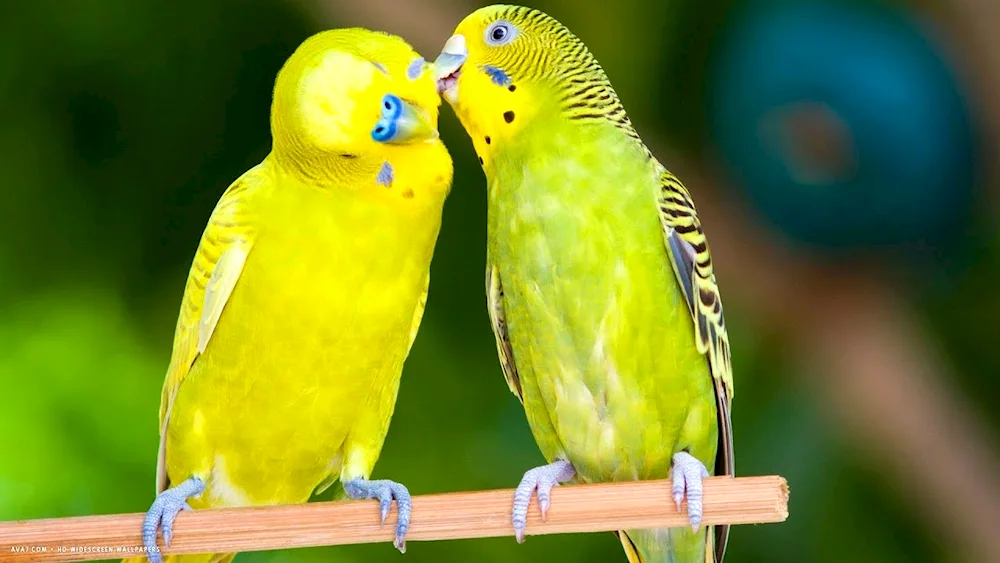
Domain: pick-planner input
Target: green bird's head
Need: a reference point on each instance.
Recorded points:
(505, 65)
(353, 99)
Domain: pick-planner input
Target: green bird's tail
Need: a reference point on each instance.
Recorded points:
(668, 545)
(192, 558)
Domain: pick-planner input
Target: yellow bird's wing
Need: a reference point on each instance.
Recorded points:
(214, 272)
(494, 299)
(418, 313)
(691, 260)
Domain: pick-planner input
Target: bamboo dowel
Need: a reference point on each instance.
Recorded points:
(481, 514)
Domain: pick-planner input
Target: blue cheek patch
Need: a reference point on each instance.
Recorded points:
(385, 175)
(498, 76)
(415, 69)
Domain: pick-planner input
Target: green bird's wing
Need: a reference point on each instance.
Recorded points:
(691, 259)
(214, 272)
(494, 298)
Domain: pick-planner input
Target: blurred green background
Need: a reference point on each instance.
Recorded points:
(121, 123)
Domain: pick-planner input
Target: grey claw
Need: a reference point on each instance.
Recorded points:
(687, 474)
(540, 479)
(167, 523)
(163, 512)
(385, 491)
(384, 505)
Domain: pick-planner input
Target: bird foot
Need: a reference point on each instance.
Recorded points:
(163, 512)
(540, 479)
(687, 474)
(385, 491)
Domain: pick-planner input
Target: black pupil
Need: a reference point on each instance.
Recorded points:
(388, 105)
(499, 33)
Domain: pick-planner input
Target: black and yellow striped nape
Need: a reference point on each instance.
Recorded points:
(547, 51)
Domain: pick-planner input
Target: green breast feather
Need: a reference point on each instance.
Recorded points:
(683, 243)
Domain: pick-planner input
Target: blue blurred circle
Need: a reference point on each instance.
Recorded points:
(844, 124)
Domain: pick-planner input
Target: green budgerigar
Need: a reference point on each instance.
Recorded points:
(601, 292)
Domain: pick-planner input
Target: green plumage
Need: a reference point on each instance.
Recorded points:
(601, 290)
(606, 360)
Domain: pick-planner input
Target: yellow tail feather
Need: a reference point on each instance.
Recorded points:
(631, 551)
(192, 558)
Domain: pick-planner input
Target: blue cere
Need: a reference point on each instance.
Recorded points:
(392, 106)
(385, 128)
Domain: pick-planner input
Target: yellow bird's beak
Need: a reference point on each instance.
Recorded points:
(448, 67)
(402, 122)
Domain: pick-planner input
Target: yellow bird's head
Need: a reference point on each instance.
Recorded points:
(348, 101)
(504, 65)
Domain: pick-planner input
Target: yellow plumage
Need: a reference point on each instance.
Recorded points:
(308, 286)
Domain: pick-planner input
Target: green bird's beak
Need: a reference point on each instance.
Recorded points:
(448, 67)
(402, 122)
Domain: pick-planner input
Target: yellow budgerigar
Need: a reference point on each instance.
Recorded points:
(600, 284)
(307, 291)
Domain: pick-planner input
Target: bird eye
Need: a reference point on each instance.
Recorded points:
(500, 33)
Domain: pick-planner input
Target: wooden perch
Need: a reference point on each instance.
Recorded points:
(575, 509)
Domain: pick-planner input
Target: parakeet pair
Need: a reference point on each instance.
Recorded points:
(309, 284)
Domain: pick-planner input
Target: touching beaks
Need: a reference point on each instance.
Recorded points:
(448, 66)
(452, 57)
(402, 122)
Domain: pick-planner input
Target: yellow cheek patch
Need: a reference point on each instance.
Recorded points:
(327, 96)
